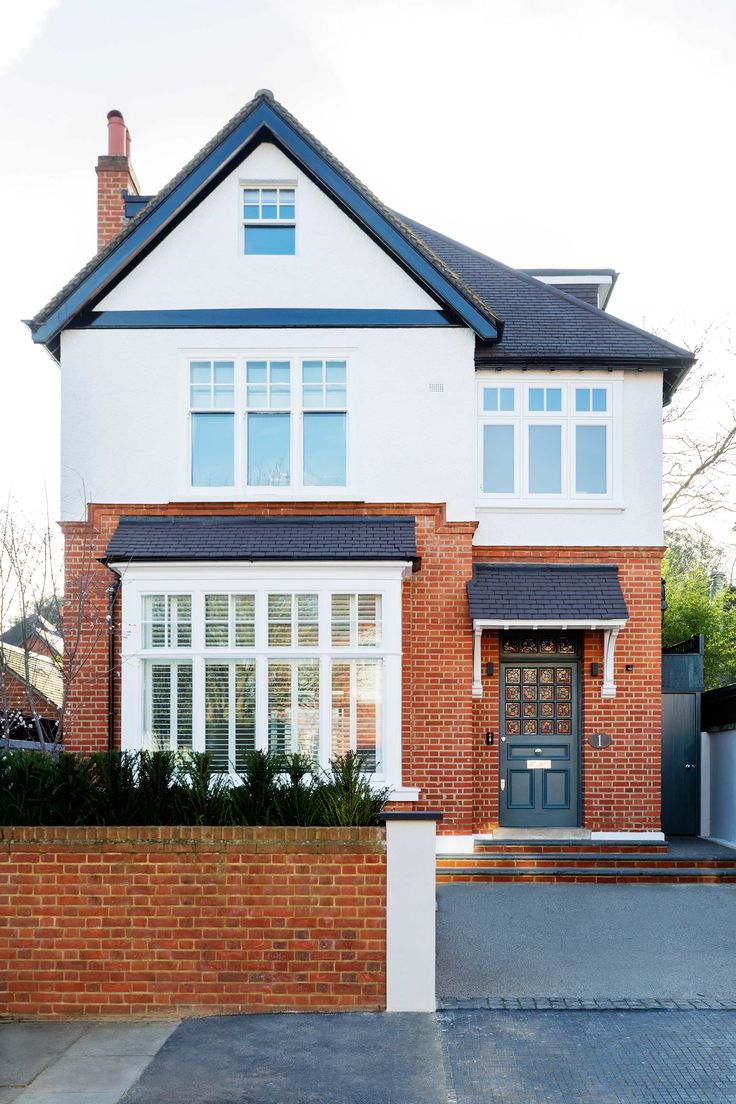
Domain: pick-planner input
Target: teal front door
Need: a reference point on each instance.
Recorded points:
(539, 775)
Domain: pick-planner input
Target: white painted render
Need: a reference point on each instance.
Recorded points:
(125, 419)
(125, 429)
(410, 915)
(201, 263)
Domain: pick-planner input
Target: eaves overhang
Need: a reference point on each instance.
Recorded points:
(264, 121)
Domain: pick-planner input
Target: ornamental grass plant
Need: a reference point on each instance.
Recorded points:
(165, 788)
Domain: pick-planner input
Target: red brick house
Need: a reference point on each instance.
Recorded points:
(348, 483)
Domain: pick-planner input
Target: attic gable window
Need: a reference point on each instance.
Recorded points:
(269, 220)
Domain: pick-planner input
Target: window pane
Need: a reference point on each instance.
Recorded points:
(599, 399)
(251, 212)
(312, 371)
(369, 620)
(244, 610)
(286, 211)
(217, 714)
(536, 398)
(180, 617)
(280, 371)
(199, 371)
(255, 371)
(293, 707)
(269, 450)
(269, 211)
(357, 701)
(342, 617)
(490, 398)
(336, 371)
(279, 620)
(168, 706)
(313, 396)
(545, 459)
(554, 399)
(216, 633)
(325, 460)
(154, 621)
(507, 398)
(590, 460)
(335, 396)
(213, 449)
(224, 398)
(224, 372)
(269, 240)
(307, 620)
(498, 459)
(582, 398)
(245, 712)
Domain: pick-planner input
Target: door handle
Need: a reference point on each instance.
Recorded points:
(689, 766)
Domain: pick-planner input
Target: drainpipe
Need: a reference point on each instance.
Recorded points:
(111, 595)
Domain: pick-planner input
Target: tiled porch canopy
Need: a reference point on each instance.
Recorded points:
(547, 596)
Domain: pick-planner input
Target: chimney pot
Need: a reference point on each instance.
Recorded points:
(116, 135)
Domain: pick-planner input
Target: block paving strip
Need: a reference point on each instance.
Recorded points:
(583, 1004)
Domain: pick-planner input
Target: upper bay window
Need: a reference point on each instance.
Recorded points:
(545, 442)
(286, 418)
(269, 219)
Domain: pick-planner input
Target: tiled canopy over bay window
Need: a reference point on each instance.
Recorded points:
(287, 656)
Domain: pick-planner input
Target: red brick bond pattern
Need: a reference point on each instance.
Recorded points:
(621, 783)
(443, 727)
(187, 921)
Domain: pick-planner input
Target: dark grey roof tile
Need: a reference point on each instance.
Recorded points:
(546, 592)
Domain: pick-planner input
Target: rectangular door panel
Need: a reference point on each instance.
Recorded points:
(520, 789)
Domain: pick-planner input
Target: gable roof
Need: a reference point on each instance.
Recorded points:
(517, 318)
(262, 119)
(34, 626)
(44, 675)
(543, 323)
(158, 538)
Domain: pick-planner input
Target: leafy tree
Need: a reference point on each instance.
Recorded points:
(700, 601)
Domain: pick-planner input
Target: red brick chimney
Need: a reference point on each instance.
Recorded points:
(114, 176)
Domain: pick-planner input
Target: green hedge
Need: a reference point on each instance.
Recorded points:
(160, 787)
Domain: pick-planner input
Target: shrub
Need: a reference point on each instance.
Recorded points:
(159, 787)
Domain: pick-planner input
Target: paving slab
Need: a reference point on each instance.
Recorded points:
(122, 1039)
(583, 1057)
(98, 1073)
(582, 942)
(357, 1058)
(27, 1048)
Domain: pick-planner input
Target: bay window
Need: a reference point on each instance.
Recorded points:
(233, 659)
(542, 443)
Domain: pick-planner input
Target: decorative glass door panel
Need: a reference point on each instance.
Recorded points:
(539, 745)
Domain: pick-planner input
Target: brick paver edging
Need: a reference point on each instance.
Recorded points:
(582, 1004)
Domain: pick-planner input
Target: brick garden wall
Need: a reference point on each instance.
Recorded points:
(186, 921)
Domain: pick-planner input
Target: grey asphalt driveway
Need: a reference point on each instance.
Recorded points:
(587, 941)
(362, 1058)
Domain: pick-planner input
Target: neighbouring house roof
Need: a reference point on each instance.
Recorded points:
(43, 672)
(158, 538)
(34, 626)
(546, 592)
(544, 324)
(517, 318)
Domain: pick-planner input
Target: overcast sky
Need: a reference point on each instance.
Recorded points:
(542, 132)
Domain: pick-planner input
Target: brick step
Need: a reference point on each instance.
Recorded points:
(486, 847)
(647, 874)
(525, 860)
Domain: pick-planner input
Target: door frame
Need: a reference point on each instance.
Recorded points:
(545, 660)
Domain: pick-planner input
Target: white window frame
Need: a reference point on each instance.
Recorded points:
(241, 489)
(568, 419)
(324, 579)
(243, 222)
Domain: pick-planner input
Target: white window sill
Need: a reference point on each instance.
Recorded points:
(530, 506)
(269, 494)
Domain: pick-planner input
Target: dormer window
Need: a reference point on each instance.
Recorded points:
(269, 219)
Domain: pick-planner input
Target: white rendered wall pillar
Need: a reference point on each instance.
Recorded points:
(411, 863)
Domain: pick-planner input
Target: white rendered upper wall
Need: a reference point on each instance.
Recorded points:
(201, 263)
(125, 426)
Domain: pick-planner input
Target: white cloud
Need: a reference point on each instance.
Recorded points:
(20, 22)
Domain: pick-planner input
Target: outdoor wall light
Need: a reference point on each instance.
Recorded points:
(489, 668)
(594, 669)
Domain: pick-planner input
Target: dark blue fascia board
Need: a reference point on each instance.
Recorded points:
(264, 117)
(261, 318)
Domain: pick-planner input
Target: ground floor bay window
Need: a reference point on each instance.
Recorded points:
(229, 658)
